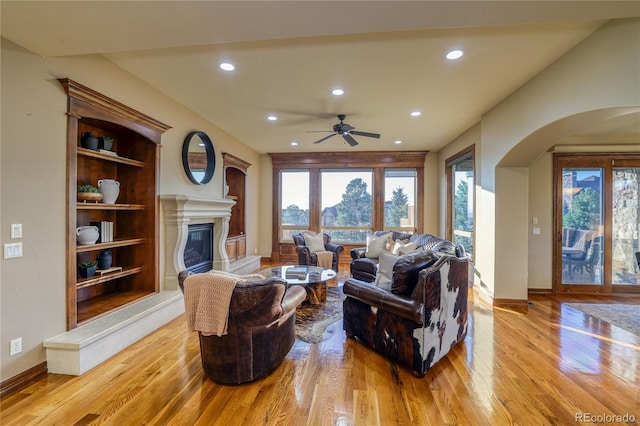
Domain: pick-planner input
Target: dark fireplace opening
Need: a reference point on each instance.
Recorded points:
(198, 253)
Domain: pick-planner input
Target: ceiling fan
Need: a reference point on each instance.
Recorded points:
(346, 131)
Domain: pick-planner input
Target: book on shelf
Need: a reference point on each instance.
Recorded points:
(105, 229)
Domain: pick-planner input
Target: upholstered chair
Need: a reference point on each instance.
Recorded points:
(306, 256)
(260, 333)
(420, 318)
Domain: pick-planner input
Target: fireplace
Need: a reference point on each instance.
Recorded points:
(198, 252)
(181, 212)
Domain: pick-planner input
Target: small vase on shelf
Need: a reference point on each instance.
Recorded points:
(110, 190)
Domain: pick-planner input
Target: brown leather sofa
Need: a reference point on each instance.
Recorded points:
(307, 257)
(261, 331)
(420, 318)
(365, 269)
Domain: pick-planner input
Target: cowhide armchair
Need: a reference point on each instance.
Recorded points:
(413, 323)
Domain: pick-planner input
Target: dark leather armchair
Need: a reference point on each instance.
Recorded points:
(307, 257)
(420, 318)
(261, 330)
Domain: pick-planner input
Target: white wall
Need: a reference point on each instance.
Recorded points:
(595, 80)
(33, 183)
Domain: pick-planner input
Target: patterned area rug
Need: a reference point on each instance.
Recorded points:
(626, 317)
(313, 320)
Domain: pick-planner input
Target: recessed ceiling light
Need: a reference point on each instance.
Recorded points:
(416, 113)
(227, 66)
(272, 118)
(294, 143)
(338, 92)
(455, 54)
(398, 142)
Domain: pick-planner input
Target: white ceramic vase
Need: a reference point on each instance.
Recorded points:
(87, 235)
(110, 189)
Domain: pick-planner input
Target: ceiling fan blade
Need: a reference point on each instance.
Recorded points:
(325, 138)
(367, 134)
(350, 140)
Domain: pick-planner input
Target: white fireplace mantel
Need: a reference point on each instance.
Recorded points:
(179, 212)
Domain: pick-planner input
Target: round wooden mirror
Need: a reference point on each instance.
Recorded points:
(198, 157)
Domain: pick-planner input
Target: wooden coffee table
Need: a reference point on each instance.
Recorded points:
(313, 278)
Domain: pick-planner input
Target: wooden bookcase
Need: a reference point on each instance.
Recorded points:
(235, 172)
(134, 215)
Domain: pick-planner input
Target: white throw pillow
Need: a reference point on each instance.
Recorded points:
(314, 242)
(401, 249)
(375, 245)
(385, 269)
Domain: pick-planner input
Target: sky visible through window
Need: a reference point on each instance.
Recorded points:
(296, 187)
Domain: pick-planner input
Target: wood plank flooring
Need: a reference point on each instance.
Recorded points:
(545, 366)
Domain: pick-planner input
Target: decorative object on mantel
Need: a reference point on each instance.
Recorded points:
(89, 140)
(198, 157)
(110, 190)
(88, 269)
(86, 235)
(88, 193)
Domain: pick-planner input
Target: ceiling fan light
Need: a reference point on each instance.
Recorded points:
(294, 143)
(398, 142)
(337, 92)
(416, 113)
(272, 118)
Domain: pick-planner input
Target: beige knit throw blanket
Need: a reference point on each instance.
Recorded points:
(207, 298)
(325, 259)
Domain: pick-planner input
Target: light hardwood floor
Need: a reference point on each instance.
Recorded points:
(545, 366)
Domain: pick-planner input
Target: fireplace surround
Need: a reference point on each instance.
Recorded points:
(179, 212)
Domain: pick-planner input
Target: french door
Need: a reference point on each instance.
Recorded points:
(597, 223)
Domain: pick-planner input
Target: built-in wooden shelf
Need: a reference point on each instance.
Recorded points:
(102, 206)
(111, 244)
(133, 163)
(99, 279)
(108, 157)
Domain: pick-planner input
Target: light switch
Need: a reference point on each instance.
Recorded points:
(536, 231)
(16, 230)
(534, 220)
(12, 250)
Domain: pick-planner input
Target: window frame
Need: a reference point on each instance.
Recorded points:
(378, 161)
(459, 157)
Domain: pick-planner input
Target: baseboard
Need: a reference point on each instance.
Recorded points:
(510, 302)
(23, 379)
(540, 291)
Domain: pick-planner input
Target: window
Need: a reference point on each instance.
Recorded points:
(345, 194)
(460, 199)
(346, 204)
(294, 190)
(399, 200)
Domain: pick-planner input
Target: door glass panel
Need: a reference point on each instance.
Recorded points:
(626, 226)
(462, 211)
(582, 226)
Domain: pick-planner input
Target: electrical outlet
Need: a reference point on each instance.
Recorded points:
(15, 346)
